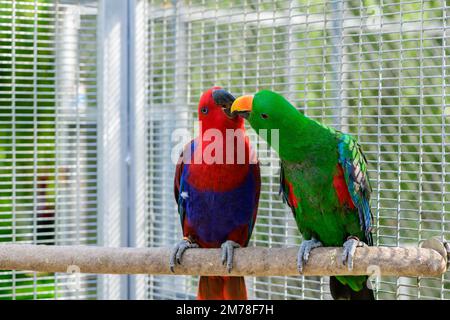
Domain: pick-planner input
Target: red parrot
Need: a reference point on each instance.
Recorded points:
(217, 186)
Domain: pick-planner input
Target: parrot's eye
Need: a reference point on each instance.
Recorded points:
(204, 110)
(264, 116)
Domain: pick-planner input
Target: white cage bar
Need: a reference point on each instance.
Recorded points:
(91, 91)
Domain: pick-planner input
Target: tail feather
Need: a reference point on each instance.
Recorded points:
(341, 291)
(222, 288)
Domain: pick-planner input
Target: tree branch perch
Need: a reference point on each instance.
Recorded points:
(253, 261)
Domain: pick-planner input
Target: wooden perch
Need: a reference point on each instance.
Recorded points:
(253, 261)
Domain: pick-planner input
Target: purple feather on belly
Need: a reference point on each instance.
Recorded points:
(215, 215)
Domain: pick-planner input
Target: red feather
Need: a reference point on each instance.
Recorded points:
(341, 188)
(222, 288)
(292, 199)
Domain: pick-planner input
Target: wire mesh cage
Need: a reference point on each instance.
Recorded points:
(92, 91)
(48, 137)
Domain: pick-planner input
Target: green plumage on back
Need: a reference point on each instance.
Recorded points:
(323, 175)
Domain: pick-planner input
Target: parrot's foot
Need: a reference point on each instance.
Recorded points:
(228, 253)
(178, 250)
(349, 251)
(303, 252)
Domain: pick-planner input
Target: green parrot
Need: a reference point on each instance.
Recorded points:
(323, 179)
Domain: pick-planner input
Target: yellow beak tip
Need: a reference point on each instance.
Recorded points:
(243, 103)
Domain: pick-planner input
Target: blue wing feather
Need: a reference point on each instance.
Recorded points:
(179, 182)
(354, 164)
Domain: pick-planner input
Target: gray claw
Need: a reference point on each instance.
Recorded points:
(349, 251)
(228, 253)
(304, 251)
(177, 252)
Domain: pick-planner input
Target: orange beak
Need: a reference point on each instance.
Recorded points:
(242, 105)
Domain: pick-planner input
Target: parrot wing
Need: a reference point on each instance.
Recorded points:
(178, 180)
(257, 176)
(354, 165)
(287, 192)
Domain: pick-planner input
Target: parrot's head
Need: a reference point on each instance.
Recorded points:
(265, 110)
(214, 110)
(268, 110)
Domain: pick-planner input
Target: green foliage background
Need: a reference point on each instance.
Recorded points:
(26, 111)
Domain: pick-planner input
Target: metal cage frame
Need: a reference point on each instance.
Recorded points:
(374, 69)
